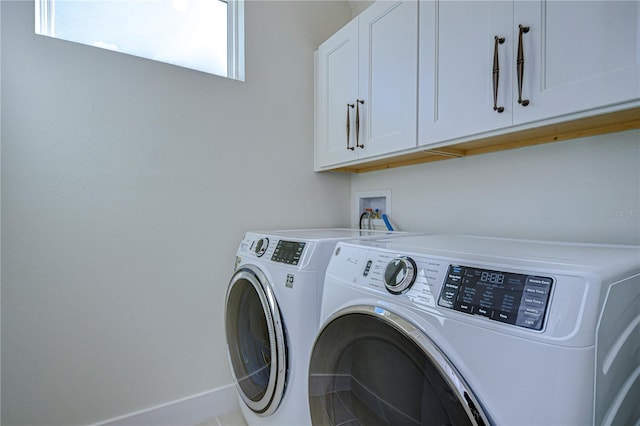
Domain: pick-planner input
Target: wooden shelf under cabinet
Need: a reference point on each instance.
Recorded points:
(583, 127)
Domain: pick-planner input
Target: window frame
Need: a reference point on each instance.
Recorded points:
(45, 25)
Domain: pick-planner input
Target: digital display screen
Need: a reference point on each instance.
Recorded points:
(516, 299)
(288, 252)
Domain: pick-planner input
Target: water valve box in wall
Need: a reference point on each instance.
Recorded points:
(375, 204)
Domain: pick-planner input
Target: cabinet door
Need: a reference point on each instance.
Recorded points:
(336, 93)
(388, 77)
(457, 48)
(578, 55)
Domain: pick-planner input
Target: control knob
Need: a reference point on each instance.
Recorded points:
(400, 275)
(261, 246)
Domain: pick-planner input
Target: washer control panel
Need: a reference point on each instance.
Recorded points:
(511, 298)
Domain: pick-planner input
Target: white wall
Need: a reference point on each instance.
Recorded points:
(581, 190)
(126, 187)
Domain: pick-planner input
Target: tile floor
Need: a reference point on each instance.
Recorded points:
(232, 418)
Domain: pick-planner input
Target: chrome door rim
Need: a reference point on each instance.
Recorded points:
(447, 370)
(277, 374)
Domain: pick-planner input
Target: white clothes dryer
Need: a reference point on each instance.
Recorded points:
(434, 330)
(272, 316)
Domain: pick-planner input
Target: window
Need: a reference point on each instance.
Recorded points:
(206, 35)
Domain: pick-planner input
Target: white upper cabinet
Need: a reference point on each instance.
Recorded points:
(414, 81)
(578, 55)
(478, 59)
(457, 50)
(366, 85)
(336, 94)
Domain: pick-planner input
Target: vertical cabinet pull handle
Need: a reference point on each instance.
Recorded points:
(358, 102)
(349, 126)
(496, 73)
(520, 65)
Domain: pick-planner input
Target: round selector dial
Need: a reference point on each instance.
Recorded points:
(261, 246)
(400, 275)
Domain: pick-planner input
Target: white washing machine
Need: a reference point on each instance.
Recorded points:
(470, 330)
(272, 316)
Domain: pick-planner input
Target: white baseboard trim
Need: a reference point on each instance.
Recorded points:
(187, 411)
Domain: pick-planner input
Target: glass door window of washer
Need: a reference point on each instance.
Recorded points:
(256, 342)
(368, 370)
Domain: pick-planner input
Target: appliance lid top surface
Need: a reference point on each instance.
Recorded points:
(328, 233)
(592, 256)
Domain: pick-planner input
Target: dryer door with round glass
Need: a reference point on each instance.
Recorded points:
(372, 367)
(256, 340)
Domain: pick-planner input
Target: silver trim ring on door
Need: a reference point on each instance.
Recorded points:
(278, 369)
(448, 371)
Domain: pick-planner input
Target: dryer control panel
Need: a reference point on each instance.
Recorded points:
(275, 250)
(288, 252)
(511, 298)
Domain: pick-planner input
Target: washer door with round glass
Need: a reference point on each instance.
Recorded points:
(372, 367)
(256, 340)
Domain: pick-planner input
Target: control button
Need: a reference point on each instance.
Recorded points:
(454, 279)
(446, 299)
(539, 281)
(532, 311)
(400, 275)
(452, 287)
(261, 246)
(534, 301)
(456, 269)
(533, 323)
(367, 268)
(463, 307)
(502, 316)
(536, 291)
(449, 295)
(483, 312)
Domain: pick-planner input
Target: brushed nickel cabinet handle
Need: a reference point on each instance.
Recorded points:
(358, 102)
(349, 126)
(520, 65)
(496, 73)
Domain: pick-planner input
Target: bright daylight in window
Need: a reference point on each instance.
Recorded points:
(206, 35)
